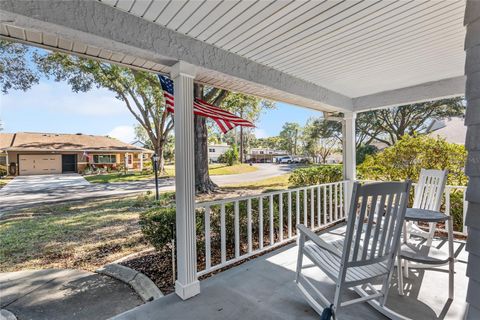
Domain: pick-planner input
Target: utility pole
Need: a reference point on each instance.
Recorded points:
(295, 143)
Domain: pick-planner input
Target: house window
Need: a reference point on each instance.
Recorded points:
(3, 160)
(104, 158)
(261, 152)
(211, 150)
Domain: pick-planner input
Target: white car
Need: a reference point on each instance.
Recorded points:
(285, 160)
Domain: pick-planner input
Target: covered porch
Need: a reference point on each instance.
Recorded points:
(346, 57)
(264, 288)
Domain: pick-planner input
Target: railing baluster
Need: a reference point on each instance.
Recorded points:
(260, 222)
(325, 214)
(465, 207)
(312, 209)
(280, 215)
(237, 230)
(330, 211)
(249, 224)
(289, 214)
(336, 203)
(208, 256)
(271, 220)
(297, 205)
(342, 212)
(319, 211)
(305, 213)
(223, 236)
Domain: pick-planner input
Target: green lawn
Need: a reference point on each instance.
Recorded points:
(4, 181)
(83, 235)
(215, 170)
(88, 234)
(274, 183)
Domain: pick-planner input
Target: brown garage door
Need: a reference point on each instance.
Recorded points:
(40, 164)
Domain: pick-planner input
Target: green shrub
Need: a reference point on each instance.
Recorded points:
(316, 175)
(230, 157)
(365, 150)
(156, 225)
(3, 171)
(412, 153)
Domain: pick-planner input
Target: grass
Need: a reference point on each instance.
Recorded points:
(87, 235)
(274, 183)
(75, 235)
(4, 181)
(215, 170)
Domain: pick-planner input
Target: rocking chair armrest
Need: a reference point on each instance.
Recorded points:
(312, 236)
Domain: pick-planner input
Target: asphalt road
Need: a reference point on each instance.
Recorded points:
(28, 191)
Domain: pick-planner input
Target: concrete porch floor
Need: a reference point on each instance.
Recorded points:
(264, 288)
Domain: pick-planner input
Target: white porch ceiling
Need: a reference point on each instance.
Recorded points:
(330, 55)
(356, 48)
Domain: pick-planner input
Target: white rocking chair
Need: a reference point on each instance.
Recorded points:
(428, 196)
(367, 252)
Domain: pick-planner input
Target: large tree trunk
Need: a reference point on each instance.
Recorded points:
(203, 183)
(159, 150)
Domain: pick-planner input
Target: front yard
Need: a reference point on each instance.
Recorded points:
(214, 169)
(90, 234)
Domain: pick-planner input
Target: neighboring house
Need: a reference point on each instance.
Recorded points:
(216, 150)
(28, 153)
(453, 130)
(265, 155)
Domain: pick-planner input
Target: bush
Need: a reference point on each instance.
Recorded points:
(412, 153)
(316, 175)
(156, 225)
(3, 171)
(365, 150)
(230, 157)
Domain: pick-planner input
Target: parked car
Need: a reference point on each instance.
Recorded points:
(287, 159)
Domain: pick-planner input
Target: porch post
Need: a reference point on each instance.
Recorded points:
(141, 161)
(472, 144)
(349, 153)
(187, 284)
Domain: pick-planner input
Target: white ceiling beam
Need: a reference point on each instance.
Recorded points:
(97, 24)
(446, 88)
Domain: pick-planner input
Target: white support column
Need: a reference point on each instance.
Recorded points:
(187, 284)
(349, 154)
(141, 161)
(472, 144)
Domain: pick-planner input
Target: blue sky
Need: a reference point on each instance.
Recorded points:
(52, 107)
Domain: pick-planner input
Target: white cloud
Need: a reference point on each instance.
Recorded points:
(260, 133)
(58, 97)
(123, 133)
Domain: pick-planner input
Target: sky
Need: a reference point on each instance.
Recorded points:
(52, 107)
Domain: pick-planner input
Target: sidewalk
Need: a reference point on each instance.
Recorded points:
(64, 295)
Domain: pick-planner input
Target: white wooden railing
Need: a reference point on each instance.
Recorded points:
(237, 228)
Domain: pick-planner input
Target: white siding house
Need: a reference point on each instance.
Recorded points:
(216, 150)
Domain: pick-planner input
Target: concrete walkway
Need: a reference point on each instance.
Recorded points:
(28, 191)
(64, 294)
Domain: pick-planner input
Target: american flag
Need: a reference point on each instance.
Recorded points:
(224, 119)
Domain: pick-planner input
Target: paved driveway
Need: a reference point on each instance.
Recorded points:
(41, 183)
(29, 191)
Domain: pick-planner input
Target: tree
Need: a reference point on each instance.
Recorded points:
(15, 71)
(289, 137)
(140, 91)
(319, 139)
(203, 183)
(389, 125)
(246, 107)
